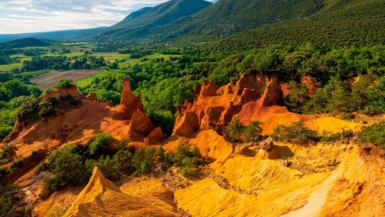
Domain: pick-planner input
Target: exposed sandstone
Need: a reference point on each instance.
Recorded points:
(252, 81)
(186, 125)
(197, 90)
(155, 137)
(92, 96)
(208, 88)
(273, 93)
(267, 144)
(129, 102)
(140, 126)
(227, 115)
(102, 198)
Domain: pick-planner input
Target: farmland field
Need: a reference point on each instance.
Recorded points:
(48, 80)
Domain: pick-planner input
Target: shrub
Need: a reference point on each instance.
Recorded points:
(347, 116)
(5, 149)
(330, 137)
(234, 129)
(6, 201)
(17, 164)
(123, 158)
(374, 134)
(143, 160)
(252, 131)
(123, 144)
(46, 112)
(53, 100)
(295, 133)
(66, 82)
(99, 143)
(3, 172)
(106, 165)
(4, 161)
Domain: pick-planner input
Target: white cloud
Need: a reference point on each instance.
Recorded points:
(48, 15)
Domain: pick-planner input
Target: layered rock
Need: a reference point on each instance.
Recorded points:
(252, 81)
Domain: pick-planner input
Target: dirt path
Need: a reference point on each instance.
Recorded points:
(48, 80)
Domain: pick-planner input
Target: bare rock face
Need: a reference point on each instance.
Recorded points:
(92, 96)
(208, 88)
(267, 144)
(129, 102)
(227, 115)
(155, 137)
(251, 81)
(249, 95)
(243, 148)
(197, 90)
(186, 125)
(140, 126)
(273, 93)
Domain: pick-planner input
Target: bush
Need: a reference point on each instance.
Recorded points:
(3, 172)
(347, 116)
(143, 160)
(234, 129)
(374, 134)
(123, 158)
(99, 143)
(107, 166)
(17, 164)
(252, 131)
(53, 100)
(66, 82)
(295, 133)
(330, 137)
(6, 201)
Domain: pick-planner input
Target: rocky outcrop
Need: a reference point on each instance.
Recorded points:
(129, 102)
(101, 197)
(92, 96)
(208, 89)
(227, 115)
(252, 81)
(273, 93)
(267, 144)
(186, 125)
(197, 90)
(249, 95)
(140, 126)
(155, 137)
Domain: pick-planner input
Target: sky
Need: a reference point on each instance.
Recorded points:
(27, 16)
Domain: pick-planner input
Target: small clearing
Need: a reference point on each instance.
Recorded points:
(45, 81)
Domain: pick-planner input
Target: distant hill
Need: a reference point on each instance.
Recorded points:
(65, 35)
(340, 23)
(26, 42)
(157, 16)
(224, 18)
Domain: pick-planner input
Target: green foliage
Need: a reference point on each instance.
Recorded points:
(7, 200)
(330, 137)
(297, 97)
(374, 134)
(252, 131)
(3, 172)
(123, 144)
(66, 82)
(347, 116)
(17, 164)
(234, 129)
(123, 159)
(143, 160)
(376, 95)
(108, 167)
(295, 133)
(5, 148)
(99, 143)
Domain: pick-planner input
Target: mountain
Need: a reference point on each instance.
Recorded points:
(339, 23)
(157, 16)
(227, 17)
(64, 35)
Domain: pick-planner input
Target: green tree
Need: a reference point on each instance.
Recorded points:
(252, 131)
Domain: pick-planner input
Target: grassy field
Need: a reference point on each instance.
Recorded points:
(48, 80)
(87, 80)
(9, 67)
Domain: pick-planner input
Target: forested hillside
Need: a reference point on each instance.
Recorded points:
(343, 23)
(157, 16)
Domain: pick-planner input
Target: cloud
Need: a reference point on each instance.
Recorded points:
(19, 16)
